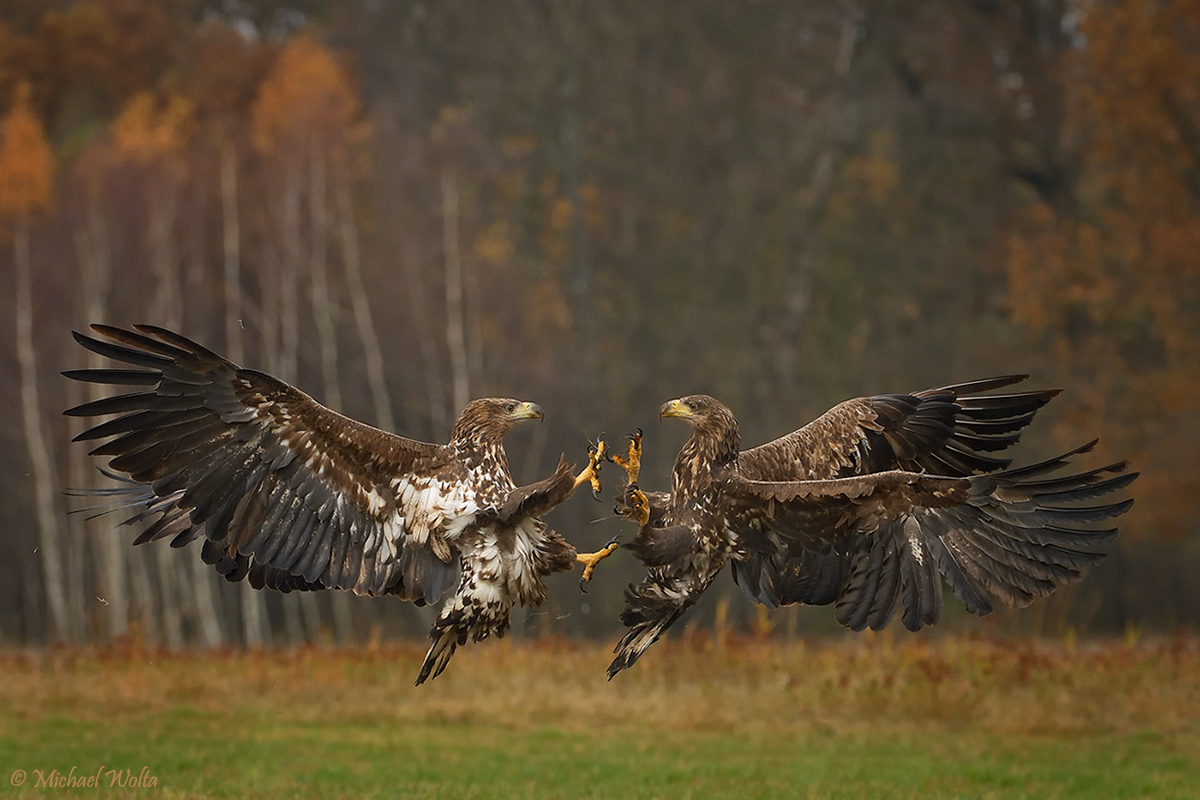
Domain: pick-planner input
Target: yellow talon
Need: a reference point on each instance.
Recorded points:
(590, 560)
(640, 505)
(632, 464)
(591, 473)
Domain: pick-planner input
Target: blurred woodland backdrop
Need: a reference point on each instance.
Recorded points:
(598, 206)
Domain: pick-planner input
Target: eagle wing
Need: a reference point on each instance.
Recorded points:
(951, 430)
(946, 431)
(284, 491)
(892, 536)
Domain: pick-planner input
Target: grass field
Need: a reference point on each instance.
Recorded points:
(697, 718)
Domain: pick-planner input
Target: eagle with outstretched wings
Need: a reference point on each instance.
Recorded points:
(289, 495)
(869, 507)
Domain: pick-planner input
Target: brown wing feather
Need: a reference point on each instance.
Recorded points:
(284, 490)
(536, 499)
(1014, 535)
(947, 431)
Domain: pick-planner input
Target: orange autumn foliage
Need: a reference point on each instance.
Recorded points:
(26, 163)
(1113, 278)
(146, 133)
(306, 100)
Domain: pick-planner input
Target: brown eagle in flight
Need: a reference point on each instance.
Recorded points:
(290, 495)
(868, 507)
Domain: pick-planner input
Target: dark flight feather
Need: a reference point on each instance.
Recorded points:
(291, 496)
(871, 507)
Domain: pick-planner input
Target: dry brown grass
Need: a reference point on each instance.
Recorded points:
(697, 683)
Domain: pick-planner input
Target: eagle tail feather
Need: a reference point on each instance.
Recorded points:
(445, 642)
(651, 608)
(638, 640)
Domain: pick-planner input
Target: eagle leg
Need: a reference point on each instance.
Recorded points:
(632, 464)
(591, 473)
(633, 504)
(590, 560)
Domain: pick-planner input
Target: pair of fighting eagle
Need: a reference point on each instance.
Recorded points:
(869, 507)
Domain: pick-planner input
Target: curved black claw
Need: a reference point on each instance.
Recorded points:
(590, 560)
(597, 454)
(596, 445)
(620, 506)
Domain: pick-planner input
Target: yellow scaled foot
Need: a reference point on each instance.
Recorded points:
(634, 505)
(591, 473)
(632, 464)
(590, 560)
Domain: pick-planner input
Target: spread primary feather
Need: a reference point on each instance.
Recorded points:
(869, 507)
(291, 495)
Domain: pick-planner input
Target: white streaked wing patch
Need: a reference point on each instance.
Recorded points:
(425, 504)
(422, 504)
(375, 503)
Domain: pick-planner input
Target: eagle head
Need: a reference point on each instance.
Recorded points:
(488, 419)
(715, 429)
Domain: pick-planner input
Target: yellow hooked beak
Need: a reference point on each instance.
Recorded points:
(674, 408)
(528, 411)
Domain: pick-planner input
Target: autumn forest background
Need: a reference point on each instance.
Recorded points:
(598, 206)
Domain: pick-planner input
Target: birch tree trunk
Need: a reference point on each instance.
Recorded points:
(289, 284)
(231, 247)
(204, 605)
(419, 309)
(167, 308)
(50, 533)
(253, 608)
(323, 305)
(318, 265)
(94, 253)
(289, 340)
(361, 306)
(456, 338)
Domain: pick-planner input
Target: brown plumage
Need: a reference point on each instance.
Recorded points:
(290, 495)
(869, 507)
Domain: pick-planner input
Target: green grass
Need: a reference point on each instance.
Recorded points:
(215, 755)
(749, 720)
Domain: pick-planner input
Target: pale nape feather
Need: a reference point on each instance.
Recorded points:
(290, 495)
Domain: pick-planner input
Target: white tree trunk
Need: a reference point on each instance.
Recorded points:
(231, 250)
(288, 357)
(360, 303)
(253, 608)
(289, 280)
(49, 522)
(322, 299)
(426, 342)
(110, 543)
(456, 337)
(166, 308)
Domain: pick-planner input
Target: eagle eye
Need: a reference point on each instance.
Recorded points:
(691, 404)
(511, 407)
